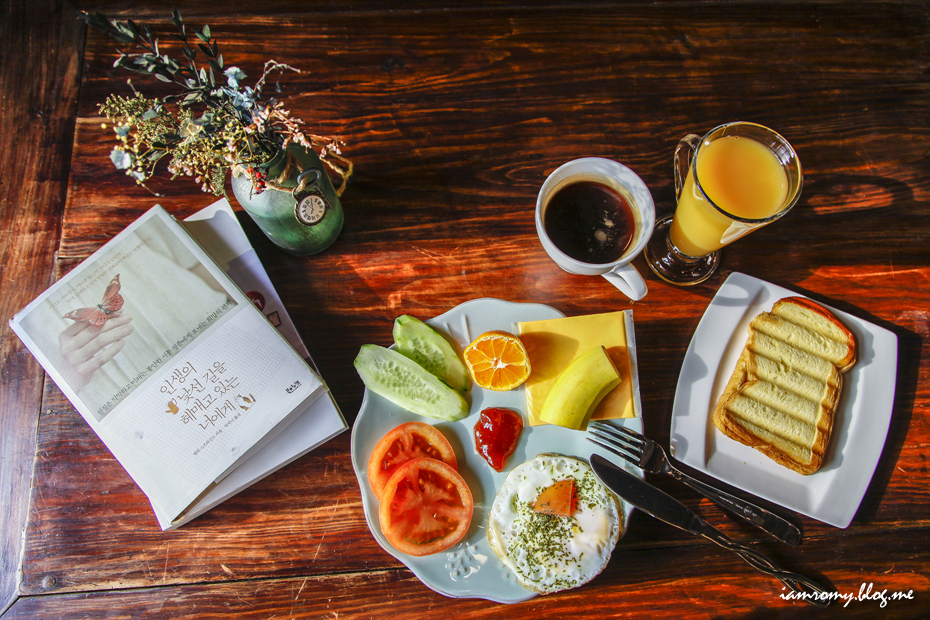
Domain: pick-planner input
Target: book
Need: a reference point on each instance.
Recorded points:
(219, 233)
(174, 365)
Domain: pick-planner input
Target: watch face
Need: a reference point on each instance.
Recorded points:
(311, 209)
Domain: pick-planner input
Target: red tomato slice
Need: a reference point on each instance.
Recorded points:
(426, 507)
(406, 442)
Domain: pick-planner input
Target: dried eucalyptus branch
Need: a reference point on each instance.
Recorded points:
(212, 123)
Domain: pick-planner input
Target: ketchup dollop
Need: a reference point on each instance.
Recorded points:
(496, 435)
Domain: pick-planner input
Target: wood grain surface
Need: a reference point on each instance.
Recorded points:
(39, 82)
(454, 114)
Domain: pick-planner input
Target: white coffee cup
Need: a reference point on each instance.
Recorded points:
(615, 175)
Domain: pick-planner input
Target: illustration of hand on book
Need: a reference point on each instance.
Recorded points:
(95, 337)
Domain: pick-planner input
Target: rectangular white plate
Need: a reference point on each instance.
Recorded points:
(834, 492)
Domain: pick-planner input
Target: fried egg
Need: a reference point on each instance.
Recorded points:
(549, 553)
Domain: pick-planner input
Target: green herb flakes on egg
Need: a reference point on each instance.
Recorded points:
(548, 552)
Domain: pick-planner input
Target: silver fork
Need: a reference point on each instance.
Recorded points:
(648, 455)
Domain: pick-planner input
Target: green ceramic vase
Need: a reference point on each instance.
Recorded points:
(299, 222)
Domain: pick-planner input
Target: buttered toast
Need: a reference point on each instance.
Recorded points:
(783, 394)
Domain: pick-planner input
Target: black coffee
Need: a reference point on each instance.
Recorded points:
(589, 221)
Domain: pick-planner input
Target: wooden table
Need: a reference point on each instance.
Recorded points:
(454, 113)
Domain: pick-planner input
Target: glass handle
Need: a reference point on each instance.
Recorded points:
(686, 146)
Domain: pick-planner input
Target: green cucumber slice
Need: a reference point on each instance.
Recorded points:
(427, 347)
(406, 383)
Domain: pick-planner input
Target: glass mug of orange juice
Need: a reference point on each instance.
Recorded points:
(739, 177)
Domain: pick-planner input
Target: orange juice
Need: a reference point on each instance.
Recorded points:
(742, 177)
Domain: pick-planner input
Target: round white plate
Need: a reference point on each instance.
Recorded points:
(470, 569)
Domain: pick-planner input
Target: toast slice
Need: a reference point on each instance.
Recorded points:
(811, 328)
(782, 396)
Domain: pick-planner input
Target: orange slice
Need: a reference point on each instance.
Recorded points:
(497, 360)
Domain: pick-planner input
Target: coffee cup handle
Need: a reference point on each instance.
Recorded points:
(628, 280)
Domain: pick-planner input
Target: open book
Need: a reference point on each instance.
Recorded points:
(176, 369)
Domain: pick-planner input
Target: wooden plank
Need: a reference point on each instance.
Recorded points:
(414, 112)
(690, 583)
(39, 93)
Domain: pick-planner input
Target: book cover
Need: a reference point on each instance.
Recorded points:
(171, 364)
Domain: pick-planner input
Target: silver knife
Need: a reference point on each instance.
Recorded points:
(664, 507)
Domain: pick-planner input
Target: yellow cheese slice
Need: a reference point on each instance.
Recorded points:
(555, 343)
